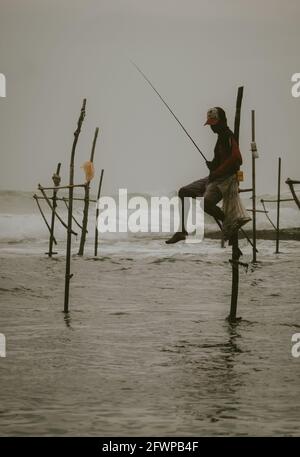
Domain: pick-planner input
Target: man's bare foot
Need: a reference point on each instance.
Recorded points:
(178, 236)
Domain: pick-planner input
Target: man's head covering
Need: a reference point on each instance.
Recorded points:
(213, 116)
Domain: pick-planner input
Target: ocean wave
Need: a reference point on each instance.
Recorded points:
(20, 220)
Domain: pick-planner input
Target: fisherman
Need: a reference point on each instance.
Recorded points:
(221, 183)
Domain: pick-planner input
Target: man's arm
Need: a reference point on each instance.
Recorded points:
(211, 163)
(233, 161)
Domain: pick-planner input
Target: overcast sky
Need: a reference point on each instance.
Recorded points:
(197, 52)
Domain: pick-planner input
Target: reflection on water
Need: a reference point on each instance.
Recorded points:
(68, 320)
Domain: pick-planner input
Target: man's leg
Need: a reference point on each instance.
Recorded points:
(212, 196)
(193, 190)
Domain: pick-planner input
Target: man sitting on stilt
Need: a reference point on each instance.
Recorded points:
(221, 183)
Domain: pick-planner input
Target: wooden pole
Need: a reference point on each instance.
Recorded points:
(43, 216)
(235, 241)
(70, 210)
(97, 214)
(253, 188)
(278, 206)
(237, 119)
(235, 278)
(56, 180)
(87, 201)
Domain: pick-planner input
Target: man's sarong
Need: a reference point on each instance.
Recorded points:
(235, 214)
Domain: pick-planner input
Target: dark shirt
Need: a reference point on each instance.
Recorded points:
(227, 159)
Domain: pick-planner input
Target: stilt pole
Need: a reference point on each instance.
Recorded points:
(87, 200)
(253, 148)
(97, 214)
(70, 210)
(235, 241)
(278, 206)
(235, 278)
(56, 180)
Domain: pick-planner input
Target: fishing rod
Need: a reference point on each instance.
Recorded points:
(167, 106)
